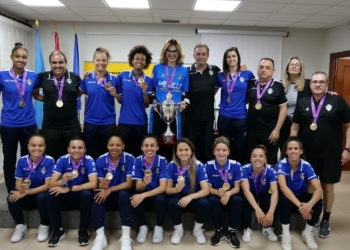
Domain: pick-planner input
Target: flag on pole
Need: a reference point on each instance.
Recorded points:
(57, 39)
(39, 67)
(76, 63)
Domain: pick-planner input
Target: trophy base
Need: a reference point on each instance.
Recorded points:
(168, 139)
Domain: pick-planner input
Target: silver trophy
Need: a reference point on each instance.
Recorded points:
(168, 111)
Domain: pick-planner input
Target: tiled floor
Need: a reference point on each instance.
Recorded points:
(340, 234)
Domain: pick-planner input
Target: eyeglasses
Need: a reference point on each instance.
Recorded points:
(320, 82)
(294, 65)
(175, 52)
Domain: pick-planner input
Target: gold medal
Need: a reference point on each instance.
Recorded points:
(229, 100)
(148, 172)
(258, 106)
(108, 86)
(28, 182)
(169, 96)
(75, 174)
(226, 186)
(181, 179)
(59, 103)
(313, 126)
(141, 80)
(21, 104)
(109, 176)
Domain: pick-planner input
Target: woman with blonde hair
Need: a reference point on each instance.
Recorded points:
(170, 81)
(187, 188)
(100, 113)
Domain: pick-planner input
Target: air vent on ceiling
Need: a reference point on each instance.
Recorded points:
(170, 21)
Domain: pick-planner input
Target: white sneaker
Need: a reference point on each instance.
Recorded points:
(286, 242)
(142, 235)
(177, 235)
(100, 242)
(43, 233)
(198, 234)
(158, 234)
(247, 235)
(20, 231)
(308, 238)
(125, 243)
(268, 232)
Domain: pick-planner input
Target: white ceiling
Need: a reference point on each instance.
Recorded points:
(310, 14)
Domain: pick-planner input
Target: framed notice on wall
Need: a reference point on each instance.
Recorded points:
(116, 67)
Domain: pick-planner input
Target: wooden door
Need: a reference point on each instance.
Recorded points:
(342, 87)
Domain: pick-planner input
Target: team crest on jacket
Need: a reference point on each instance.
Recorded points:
(29, 82)
(210, 72)
(264, 181)
(43, 170)
(230, 176)
(82, 170)
(157, 170)
(329, 107)
(270, 91)
(302, 176)
(180, 76)
(241, 79)
(123, 168)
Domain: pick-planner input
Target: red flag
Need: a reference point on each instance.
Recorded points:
(57, 41)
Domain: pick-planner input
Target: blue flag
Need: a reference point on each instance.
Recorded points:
(39, 67)
(76, 66)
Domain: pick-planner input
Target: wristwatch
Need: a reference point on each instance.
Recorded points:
(347, 149)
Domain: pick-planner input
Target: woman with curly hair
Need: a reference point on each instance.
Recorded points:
(100, 86)
(132, 93)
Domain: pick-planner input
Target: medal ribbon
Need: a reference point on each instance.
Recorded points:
(150, 164)
(169, 81)
(180, 171)
(230, 85)
(24, 83)
(261, 180)
(32, 166)
(76, 166)
(258, 95)
(101, 83)
(223, 174)
(112, 166)
(136, 80)
(315, 113)
(60, 88)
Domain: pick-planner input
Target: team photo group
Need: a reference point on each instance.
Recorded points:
(278, 148)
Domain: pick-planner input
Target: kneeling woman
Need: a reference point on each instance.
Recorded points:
(293, 175)
(32, 175)
(150, 175)
(224, 184)
(260, 193)
(71, 187)
(187, 188)
(114, 188)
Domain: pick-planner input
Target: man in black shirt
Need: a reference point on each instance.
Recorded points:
(60, 121)
(199, 115)
(319, 119)
(267, 110)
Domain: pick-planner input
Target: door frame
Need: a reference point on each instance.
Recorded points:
(333, 67)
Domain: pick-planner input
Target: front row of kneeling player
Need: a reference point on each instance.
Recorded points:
(185, 184)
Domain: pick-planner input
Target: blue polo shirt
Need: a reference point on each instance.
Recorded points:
(12, 115)
(264, 185)
(100, 108)
(201, 176)
(214, 177)
(42, 172)
(120, 173)
(237, 107)
(179, 84)
(158, 171)
(86, 168)
(132, 110)
(297, 183)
